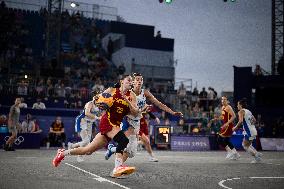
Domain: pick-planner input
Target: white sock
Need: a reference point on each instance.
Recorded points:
(117, 162)
(66, 152)
(252, 150)
(234, 151)
(228, 149)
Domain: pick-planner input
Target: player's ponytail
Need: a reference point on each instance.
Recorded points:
(243, 103)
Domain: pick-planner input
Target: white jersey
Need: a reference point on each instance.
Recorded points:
(248, 126)
(141, 102)
(85, 122)
(135, 121)
(94, 110)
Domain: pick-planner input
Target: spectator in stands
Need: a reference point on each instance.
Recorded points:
(56, 133)
(3, 121)
(39, 104)
(259, 125)
(22, 88)
(195, 95)
(159, 35)
(23, 104)
(27, 124)
(36, 128)
(210, 96)
(121, 69)
(203, 99)
(215, 124)
(184, 125)
(3, 5)
(181, 91)
(98, 86)
(218, 110)
(40, 88)
(204, 121)
(258, 70)
(196, 111)
(110, 48)
(50, 88)
(201, 129)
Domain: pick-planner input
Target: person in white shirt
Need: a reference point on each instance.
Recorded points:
(39, 104)
(23, 104)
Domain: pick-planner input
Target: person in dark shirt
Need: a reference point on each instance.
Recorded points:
(56, 133)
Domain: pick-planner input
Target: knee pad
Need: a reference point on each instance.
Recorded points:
(131, 148)
(122, 142)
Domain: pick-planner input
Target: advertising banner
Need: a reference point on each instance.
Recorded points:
(272, 144)
(23, 140)
(190, 143)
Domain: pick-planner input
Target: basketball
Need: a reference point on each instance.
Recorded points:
(104, 101)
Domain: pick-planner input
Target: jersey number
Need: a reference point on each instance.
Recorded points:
(119, 110)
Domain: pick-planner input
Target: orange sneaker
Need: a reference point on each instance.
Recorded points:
(122, 171)
(58, 158)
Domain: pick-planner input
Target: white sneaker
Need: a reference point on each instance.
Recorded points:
(80, 158)
(235, 156)
(258, 154)
(69, 145)
(229, 155)
(257, 158)
(47, 145)
(152, 159)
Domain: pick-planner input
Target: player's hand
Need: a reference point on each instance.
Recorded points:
(158, 121)
(178, 114)
(148, 108)
(234, 128)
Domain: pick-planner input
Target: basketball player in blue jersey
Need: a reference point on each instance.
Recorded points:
(137, 126)
(247, 120)
(83, 125)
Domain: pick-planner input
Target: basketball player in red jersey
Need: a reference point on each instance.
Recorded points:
(124, 104)
(139, 124)
(226, 131)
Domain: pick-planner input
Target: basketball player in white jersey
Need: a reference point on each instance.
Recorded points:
(247, 120)
(83, 125)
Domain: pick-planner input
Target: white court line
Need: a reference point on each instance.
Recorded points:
(99, 178)
(271, 163)
(266, 177)
(222, 181)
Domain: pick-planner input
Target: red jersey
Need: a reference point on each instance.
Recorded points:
(227, 131)
(113, 117)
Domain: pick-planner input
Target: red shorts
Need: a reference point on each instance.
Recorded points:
(227, 132)
(143, 127)
(105, 126)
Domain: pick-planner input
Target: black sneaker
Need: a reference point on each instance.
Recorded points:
(5, 147)
(10, 148)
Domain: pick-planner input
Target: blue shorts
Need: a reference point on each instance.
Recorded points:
(124, 124)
